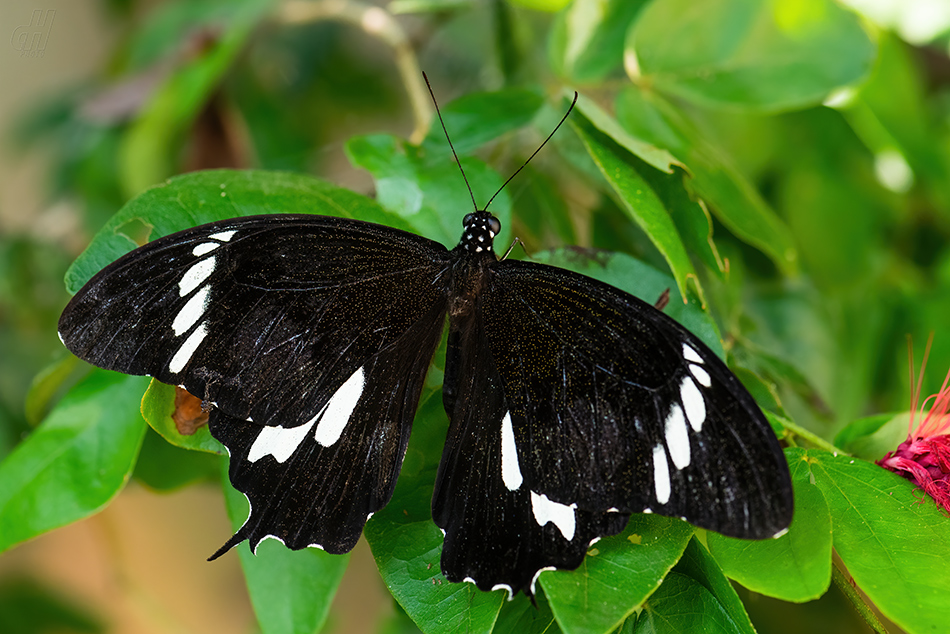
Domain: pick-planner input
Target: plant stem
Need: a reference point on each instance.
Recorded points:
(378, 23)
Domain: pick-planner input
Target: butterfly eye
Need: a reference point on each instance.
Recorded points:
(467, 220)
(494, 225)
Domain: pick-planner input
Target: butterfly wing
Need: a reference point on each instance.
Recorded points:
(614, 405)
(309, 335)
(498, 534)
(263, 316)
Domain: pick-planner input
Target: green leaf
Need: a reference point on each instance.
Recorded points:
(587, 40)
(639, 279)
(291, 590)
(76, 461)
(651, 154)
(164, 467)
(797, 565)
(617, 575)
(200, 197)
(761, 56)
(158, 405)
(697, 564)
(46, 384)
(148, 149)
(638, 199)
(872, 437)
(519, 616)
(893, 542)
(714, 178)
(429, 195)
(477, 118)
(683, 604)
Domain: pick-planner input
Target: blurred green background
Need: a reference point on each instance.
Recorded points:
(104, 98)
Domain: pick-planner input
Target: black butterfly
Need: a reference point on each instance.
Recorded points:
(571, 403)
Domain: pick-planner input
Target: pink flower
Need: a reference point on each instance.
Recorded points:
(924, 458)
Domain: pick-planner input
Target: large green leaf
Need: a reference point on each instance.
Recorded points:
(77, 460)
(758, 55)
(894, 542)
(617, 575)
(291, 591)
(797, 565)
(201, 197)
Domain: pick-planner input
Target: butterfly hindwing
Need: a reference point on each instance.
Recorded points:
(263, 316)
(318, 483)
(498, 532)
(616, 406)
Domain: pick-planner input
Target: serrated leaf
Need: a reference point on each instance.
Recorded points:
(291, 590)
(893, 542)
(76, 461)
(797, 565)
(749, 54)
(617, 575)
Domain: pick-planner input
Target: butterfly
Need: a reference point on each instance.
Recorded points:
(571, 403)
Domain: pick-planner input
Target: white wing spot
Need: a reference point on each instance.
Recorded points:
(562, 515)
(188, 349)
(693, 403)
(661, 475)
(280, 442)
(510, 470)
(534, 579)
(337, 412)
(204, 248)
(191, 312)
(677, 438)
(690, 354)
(223, 236)
(701, 375)
(195, 276)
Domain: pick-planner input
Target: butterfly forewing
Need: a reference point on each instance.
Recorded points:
(263, 316)
(616, 406)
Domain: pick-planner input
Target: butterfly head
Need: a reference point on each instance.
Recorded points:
(480, 230)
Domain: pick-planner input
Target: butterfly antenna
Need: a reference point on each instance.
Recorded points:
(457, 161)
(563, 119)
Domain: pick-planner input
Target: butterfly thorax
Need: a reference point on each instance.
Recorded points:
(471, 259)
